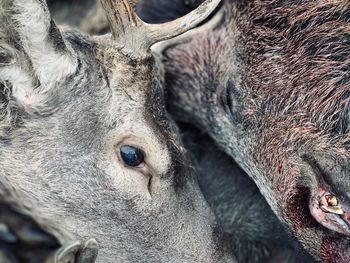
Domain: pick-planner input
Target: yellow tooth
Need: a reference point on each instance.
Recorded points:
(333, 209)
(332, 200)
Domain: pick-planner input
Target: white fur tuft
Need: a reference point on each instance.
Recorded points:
(33, 24)
(22, 87)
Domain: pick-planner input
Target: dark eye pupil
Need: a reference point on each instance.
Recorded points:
(131, 155)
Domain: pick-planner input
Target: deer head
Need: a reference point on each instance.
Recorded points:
(87, 149)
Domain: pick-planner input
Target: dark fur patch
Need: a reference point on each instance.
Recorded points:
(155, 11)
(56, 38)
(297, 209)
(166, 129)
(334, 250)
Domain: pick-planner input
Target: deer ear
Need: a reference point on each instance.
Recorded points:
(34, 56)
(15, 77)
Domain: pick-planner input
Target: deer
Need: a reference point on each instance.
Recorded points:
(268, 81)
(92, 168)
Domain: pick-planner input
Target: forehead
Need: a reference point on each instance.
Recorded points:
(125, 95)
(102, 65)
(134, 84)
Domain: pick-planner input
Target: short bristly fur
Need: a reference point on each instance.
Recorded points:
(270, 83)
(69, 102)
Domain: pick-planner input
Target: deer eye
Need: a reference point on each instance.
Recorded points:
(131, 156)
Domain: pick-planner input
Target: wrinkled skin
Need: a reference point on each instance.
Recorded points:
(269, 82)
(60, 162)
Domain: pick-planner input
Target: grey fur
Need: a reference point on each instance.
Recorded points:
(59, 161)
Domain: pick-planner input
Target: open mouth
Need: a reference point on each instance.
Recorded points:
(330, 212)
(327, 205)
(23, 240)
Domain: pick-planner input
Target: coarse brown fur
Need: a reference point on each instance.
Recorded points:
(297, 75)
(286, 65)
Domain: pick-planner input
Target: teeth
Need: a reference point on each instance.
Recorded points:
(331, 200)
(6, 235)
(332, 209)
(329, 204)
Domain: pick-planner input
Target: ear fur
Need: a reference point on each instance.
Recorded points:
(34, 56)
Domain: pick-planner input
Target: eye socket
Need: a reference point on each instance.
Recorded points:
(227, 100)
(132, 156)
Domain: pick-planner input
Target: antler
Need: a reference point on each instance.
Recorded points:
(136, 36)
